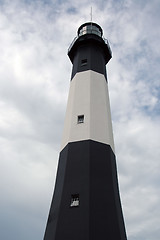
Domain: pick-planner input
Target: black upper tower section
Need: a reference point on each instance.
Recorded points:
(89, 50)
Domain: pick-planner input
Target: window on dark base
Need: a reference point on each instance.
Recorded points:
(74, 200)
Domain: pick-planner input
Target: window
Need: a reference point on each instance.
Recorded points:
(80, 119)
(83, 62)
(90, 29)
(74, 200)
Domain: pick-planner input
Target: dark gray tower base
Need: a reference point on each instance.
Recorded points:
(97, 214)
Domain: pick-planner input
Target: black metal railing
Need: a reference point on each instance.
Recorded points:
(104, 39)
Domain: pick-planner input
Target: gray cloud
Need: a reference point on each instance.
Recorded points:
(34, 82)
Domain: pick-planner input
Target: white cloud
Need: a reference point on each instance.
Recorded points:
(34, 82)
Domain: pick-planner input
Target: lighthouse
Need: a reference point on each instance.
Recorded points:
(86, 202)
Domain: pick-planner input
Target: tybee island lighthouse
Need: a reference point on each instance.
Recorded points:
(86, 203)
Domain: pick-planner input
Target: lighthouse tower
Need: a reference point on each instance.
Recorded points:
(86, 203)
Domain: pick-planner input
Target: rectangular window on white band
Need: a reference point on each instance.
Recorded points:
(80, 119)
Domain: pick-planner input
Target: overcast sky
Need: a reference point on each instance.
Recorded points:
(34, 81)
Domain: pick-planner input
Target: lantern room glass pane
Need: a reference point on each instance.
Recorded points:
(90, 29)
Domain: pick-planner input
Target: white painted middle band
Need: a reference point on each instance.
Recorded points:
(88, 96)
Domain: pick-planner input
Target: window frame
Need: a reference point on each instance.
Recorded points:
(75, 202)
(84, 62)
(80, 119)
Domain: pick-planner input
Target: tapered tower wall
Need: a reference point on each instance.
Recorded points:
(86, 203)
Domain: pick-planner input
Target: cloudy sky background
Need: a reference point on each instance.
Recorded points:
(34, 82)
